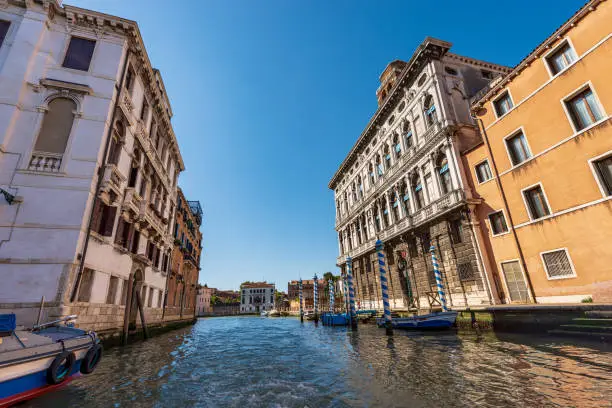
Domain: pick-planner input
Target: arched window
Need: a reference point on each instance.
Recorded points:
(385, 212)
(371, 172)
(134, 170)
(397, 146)
(444, 174)
(417, 186)
(364, 223)
(117, 139)
(405, 199)
(395, 207)
(376, 219)
(430, 110)
(360, 186)
(408, 134)
(387, 157)
(379, 166)
(53, 137)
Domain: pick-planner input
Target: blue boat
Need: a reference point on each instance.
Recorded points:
(335, 319)
(432, 321)
(34, 362)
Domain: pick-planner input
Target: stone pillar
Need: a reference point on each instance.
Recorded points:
(410, 194)
(424, 185)
(400, 200)
(436, 177)
(389, 210)
(451, 165)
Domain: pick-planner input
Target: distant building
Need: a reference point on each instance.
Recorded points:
(185, 260)
(256, 297)
(308, 293)
(203, 306)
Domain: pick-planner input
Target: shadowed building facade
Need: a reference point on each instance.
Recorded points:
(403, 182)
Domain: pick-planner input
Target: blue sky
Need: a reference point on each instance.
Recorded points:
(269, 96)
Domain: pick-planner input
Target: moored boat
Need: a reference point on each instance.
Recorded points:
(263, 313)
(34, 362)
(437, 320)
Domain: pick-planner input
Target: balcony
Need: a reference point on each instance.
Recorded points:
(112, 179)
(132, 200)
(438, 206)
(45, 162)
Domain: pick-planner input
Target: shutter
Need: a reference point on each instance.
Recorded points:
(111, 212)
(96, 215)
(119, 233)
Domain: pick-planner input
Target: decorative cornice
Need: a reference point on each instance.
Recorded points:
(428, 50)
(71, 86)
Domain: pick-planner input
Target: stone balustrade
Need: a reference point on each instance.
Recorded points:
(45, 162)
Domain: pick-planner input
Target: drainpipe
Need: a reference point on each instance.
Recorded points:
(77, 282)
(503, 194)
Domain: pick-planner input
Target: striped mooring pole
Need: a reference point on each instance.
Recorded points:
(351, 292)
(316, 298)
(382, 267)
(301, 300)
(331, 295)
(439, 284)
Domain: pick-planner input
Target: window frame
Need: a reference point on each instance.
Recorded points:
(488, 220)
(505, 280)
(67, 46)
(546, 57)
(569, 258)
(597, 175)
(512, 135)
(486, 160)
(550, 210)
(565, 101)
(506, 91)
(9, 30)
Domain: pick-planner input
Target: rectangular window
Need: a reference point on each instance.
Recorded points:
(456, 230)
(561, 59)
(558, 264)
(503, 104)
(150, 299)
(112, 290)
(103, 218)
(584, 109)
(4, 26)
(517, 287)
(518, 149)
(498, 223)
(144, 109)
(409, 139)
(159, 299)
(86, 284)
(124, 284)
(79, 53)
(483, 172)
(129, 79)
(603, 168)
(536, 202)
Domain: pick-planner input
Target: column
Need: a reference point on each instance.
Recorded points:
(361, 237)
(423, 184)
(380, 218)
(451, 165)
(370, 222)
(389, 210)
(400, 200)
(436, 176)
(410, 194)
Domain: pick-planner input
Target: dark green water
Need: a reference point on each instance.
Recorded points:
(268, 362)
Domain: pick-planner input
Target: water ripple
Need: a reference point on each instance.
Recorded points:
(255, 362)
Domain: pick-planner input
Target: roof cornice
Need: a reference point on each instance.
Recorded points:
(590, 6)
(429, 49)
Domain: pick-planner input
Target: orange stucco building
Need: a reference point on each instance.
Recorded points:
(543, 172)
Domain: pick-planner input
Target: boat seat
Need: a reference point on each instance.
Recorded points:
(28, 339)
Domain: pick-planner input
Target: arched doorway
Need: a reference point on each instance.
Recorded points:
(137, 280)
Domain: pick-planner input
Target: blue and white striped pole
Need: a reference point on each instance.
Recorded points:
(351, 291)
(316, 298)
(301, 301)
(382, 267)
(439, 284)
(331, 295)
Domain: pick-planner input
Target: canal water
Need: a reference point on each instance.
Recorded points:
(278, 362)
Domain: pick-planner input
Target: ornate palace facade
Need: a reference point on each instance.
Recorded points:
(403, 182)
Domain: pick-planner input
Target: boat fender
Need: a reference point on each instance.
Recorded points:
(60, 368)
(91, 359)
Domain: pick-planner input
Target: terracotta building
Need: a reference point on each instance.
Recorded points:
(403, 182)
(185, 259)
(293, 291)
(543, 173)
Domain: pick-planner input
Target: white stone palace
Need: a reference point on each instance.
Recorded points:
(256, 297)
(89, 163)
(403, 182)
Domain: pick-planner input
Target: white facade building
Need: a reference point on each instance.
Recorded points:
(78, 100)
(403, 182)
(256, 297)
(203, 306)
